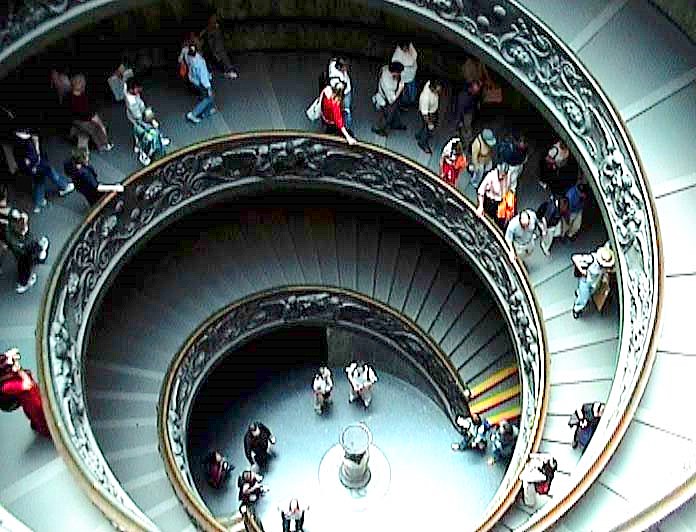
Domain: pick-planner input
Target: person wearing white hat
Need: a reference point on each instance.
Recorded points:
(481, 156)
(602, 263)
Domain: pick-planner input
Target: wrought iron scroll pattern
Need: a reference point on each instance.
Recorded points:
(528, 51)
(283, 308)
(98, 248)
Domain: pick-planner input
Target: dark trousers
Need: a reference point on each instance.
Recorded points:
(490, 207)
(26, 262)
(390, 116)
(424, 133)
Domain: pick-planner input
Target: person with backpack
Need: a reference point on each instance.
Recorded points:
(338, 76)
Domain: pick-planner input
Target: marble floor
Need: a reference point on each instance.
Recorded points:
(428, 481)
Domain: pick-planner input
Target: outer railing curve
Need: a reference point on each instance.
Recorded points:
(244, 164)
(538, 63)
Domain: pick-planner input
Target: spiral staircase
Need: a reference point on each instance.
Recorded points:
(655, 95)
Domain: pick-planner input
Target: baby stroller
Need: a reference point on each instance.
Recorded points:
(149, 142)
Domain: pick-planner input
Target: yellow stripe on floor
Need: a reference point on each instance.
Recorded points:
(505, 415)
(495, 399)
(493, 380)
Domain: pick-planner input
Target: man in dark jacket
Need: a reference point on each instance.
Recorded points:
(257, 444)
(84, 177)
(27, 250)
(466, 106)
(550, 214)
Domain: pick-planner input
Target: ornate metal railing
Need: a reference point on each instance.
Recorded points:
(537, 62)
(248, 164)
(259, 314)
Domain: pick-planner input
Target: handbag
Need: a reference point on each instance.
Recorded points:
(314, 110)
(506, 208)
(183, 70)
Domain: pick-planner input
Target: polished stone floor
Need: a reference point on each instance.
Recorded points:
(430, 487)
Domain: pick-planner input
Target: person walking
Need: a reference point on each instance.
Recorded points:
(503, 439)
(149, 141)
(26, 249)
(332, 114)
(474, 430)
(217, 469)
(577, 197)
(406, 54)
(550, 215)
(428, 105)
(215, 39)
(452, 160)
(585, 420)
(19, 388)
(322, 386)
(85, 177)
(250, 487)
(84, 118)
(361, 378)
(521, 234)
(491, 192)
(199, 76)
(467, 104)
(258, 441)
(516, 159)
(387, 99)
(293, 517)
(591, 279)
(482, 156)
(339, 76)
(32, 161)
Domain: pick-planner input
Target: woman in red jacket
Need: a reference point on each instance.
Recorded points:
(18, 388)
(332, 111)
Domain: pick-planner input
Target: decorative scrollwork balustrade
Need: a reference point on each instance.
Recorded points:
(251, 164)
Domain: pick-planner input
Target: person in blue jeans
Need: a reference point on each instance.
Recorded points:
(199, 76)
(33, 162)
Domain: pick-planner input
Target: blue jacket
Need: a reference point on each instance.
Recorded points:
(198, 71)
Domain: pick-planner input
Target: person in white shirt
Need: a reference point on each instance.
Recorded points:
(361, 378)
(338, 74)
(387, 98)
(428, 105)
(407, 55)
(322, 387)
(521, 234)
(492, 190)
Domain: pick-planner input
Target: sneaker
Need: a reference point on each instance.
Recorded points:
(44, 244)
(106, 147)
(39, 206)
(456, 447)
(67, 190)
(576, 314)
(231, 75)
(166, 142)
(23, 288)
(212, 111)
(545, 251)
(191, 118)
(136, 149)
(144, 159)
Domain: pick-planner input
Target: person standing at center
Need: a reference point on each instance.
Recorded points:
(407, 55)
(200, 77)
(491, 192)
(387, 99)
(428, 106)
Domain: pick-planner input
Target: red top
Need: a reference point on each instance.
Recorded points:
(331, 112)
(22, 387)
